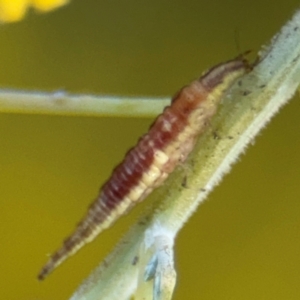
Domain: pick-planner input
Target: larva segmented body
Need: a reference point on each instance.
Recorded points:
(169, 141)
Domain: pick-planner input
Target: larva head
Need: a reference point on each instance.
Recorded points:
(222, 76)
(207, 91)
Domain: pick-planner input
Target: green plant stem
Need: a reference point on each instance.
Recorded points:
(62, 103)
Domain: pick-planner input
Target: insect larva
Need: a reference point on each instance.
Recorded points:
(168, 142)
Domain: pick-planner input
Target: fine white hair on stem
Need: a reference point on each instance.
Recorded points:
(246, 110)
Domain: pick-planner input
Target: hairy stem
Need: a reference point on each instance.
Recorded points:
(246, 110)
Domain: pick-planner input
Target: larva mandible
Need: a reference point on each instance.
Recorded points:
(168, 142)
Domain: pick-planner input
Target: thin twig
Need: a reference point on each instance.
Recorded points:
(62, 103)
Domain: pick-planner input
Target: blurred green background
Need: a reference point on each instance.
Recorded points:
(241, 244)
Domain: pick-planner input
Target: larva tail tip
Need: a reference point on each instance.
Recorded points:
(44, 273)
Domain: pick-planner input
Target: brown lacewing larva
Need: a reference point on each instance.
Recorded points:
(168, 142)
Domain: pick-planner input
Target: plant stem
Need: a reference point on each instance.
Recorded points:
(62, 103)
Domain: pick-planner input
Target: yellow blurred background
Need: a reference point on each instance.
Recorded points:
(241, 244)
